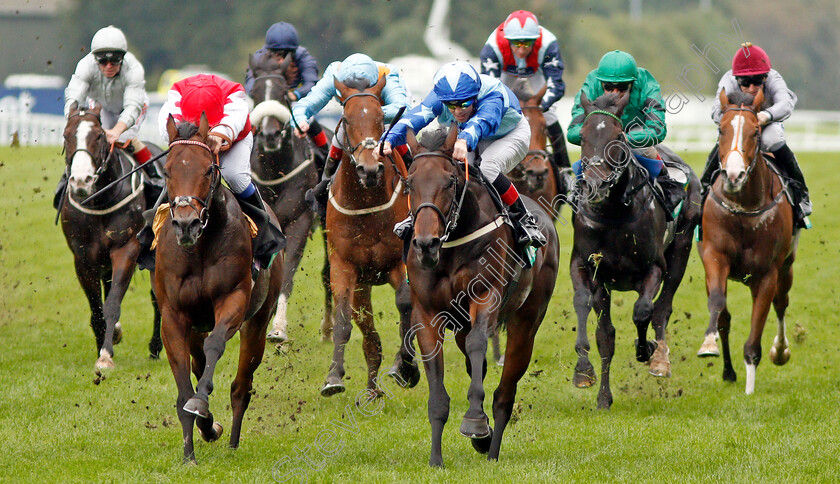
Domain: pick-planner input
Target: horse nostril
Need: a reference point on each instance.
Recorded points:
(380, 169)
(427, 244)
(360, 170)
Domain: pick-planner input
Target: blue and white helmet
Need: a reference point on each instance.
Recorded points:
(457, 81)
(523, 25)
(358, 68)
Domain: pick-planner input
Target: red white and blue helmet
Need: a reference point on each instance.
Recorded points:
(358, 67)
(522, 24)
(457, 81)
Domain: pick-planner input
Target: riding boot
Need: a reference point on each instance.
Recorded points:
(712, 166)
(59, 190)
(558, 146)
(321, 146)
(317, 196)
(270, 239)
(527, 227)
(153, 182)
(146, 235)
(786, 161)
(672, 193)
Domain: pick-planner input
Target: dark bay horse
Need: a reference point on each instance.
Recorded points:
(203, 284)
(283, 169)
(536, 176)
(366, 200)
(465, 276)
(748, 236)
(102, 234)
(621, 243)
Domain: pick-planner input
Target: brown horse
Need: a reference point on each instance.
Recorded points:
(203, 284)
(366, 200)
(536, 176)
(102, 235)
(283, 168)
(465, 276)
(748, 236)
(623, 242)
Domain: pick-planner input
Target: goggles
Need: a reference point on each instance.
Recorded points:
(612, 86)
(522, 42)
(113, 58)
(459, 104)
(747, 81)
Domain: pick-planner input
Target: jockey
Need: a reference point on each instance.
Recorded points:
(489, 118)
(643, 118)
(226, 107)
(520, 48)
(358, 71)
(750, 72)
(112, 76)
(281, 40)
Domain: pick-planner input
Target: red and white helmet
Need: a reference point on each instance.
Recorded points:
(521, 24)
(750, 60)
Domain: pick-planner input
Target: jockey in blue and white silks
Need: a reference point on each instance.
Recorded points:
(359, 72)
(489, 120)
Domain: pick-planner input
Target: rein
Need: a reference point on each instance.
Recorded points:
(367, 143)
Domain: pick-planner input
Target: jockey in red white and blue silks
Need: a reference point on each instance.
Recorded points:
(226, 107)
(495, 126)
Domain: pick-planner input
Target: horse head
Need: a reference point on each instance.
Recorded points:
(192, 179)
(438, 185)
(739, 137)
(604, 153)
(86, 148)
(536, 165)
(271, 115)
(363, 122)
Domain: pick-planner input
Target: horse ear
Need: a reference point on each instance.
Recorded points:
(724, 99)
(536, 98)
(622, 102)
(203, 126)
(343, 90)
(411, 141)
(584, 102)
(74, 109)
(171, 129)
(96, 108)
(251, 62)
(759, 99)
(451, 138)
(379, 86)
(282, 66)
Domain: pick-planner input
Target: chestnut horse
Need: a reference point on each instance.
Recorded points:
(102, 235)
(366, 200)
(283, 169)
(748, 236)
(465, 276)
(621, 242)
(203, 283)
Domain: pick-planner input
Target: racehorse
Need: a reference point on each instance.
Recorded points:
(203, 283)
(536, 176)
(366, 200)
(748, 236)
(102, 235)
(621, 243)
(465, 276)
(283, 169)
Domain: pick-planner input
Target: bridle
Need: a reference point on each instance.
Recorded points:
(739, 148)
(531, 154)
(450, 220)
(105, 152)
(365, 144)
(285, 130)
(186, 200)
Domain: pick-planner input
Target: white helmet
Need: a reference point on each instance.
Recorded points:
(109, 38)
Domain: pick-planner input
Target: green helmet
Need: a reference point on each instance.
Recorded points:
(617, 66)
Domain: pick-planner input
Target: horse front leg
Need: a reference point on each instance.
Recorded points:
(780, 351)
(483, 314)
(208, 428)
(405, 370)
(429, 340)
(717, 273)
(296, 234)
(155, 344)
(584, 376)
(763, 291)
(343, 282)
(228, 314)
(174, 331)
(328, 319)
(605, 338)
(88, 277)
(371, 343)
(123, 261)
(643, 312)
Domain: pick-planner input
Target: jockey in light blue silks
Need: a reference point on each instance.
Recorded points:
(359, 72)
(489, 118)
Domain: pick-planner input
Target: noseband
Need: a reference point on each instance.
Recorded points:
(739, 148)
(185, 200)
(106, 158)
(450, 221)
(367, 143)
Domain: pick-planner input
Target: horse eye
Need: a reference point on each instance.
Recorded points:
(209, 171)
(165, 173)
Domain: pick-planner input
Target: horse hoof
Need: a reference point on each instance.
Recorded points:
(584, 378)
(218, 430)
(643, 353)
(105, 362)
(500, 362)
(475, 428)
(117, 333)
(407, 375)
(779, 358)
(660, 365)
(482, 445)
(331, 389)
(198, 407)
(709, 347)
(277, 337)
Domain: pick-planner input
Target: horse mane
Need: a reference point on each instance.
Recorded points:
(433, 140)
(357, 83)
(739, 97)
(186, 130)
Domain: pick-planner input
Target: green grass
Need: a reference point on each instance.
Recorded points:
(57, 425)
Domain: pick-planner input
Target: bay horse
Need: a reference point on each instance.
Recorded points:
(621, 243)
(748, 236)
(283, 168)
(465, 276)
(204, 286)
(102, 235)
(366, 201)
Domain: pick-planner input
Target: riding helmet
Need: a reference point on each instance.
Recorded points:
(282, 35)
(456, 81)
(750, 60)
(617, 66)
(521, 24)
(109, 38)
